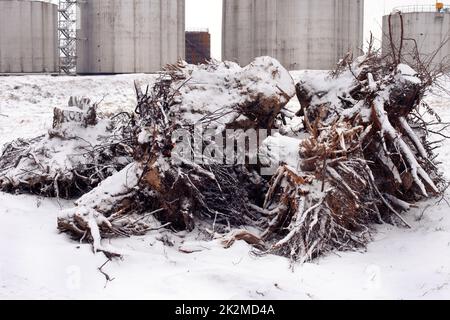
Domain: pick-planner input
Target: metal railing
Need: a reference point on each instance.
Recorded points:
(421, 8)
(67, 37)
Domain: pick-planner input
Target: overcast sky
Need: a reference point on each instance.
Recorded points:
(207, 14)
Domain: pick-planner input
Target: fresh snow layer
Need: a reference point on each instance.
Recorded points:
(27, 102)
(213, 90)
(38, 263)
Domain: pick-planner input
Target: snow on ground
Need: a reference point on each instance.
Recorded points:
(38, 263)
(28, 101)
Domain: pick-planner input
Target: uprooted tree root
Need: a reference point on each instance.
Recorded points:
(177, 190)
(365, 160)
(78, 152)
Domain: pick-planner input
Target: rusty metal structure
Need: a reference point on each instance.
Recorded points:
(198, 46)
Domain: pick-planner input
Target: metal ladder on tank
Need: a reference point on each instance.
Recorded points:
(67, 36)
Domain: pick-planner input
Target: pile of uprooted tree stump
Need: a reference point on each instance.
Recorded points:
(364, 157)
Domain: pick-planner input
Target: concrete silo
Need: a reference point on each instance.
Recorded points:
(28, 36)
(301, 34)
(129, 36)
(426, 33)
(198, 47)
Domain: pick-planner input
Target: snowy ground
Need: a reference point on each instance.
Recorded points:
(29, 100)
(38, 263)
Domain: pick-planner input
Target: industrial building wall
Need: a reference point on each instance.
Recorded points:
(129, 36)
(28, 37)
(430, 30)
(301, 34)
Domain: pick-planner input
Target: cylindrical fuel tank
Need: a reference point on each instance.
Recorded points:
(301, 34)
(129, 36)
(28, 36)
(426, 34)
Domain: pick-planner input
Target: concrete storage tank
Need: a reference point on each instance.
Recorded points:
(301, 34)
(429, 26)
(28, 36)
(129, 36)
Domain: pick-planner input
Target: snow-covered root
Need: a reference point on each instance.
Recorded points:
(355, 168)
(418, 173)
(365, 160)
(307, 221)
(413, 137)
(79, 151)
(87, 224)
(243, 235)
(110, 210)
(223, 95)
(215, 95)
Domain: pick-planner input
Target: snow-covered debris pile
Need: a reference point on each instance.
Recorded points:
(367, 158)
(181, 191)
(79, 151)
(363, 157)
(223, 94)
